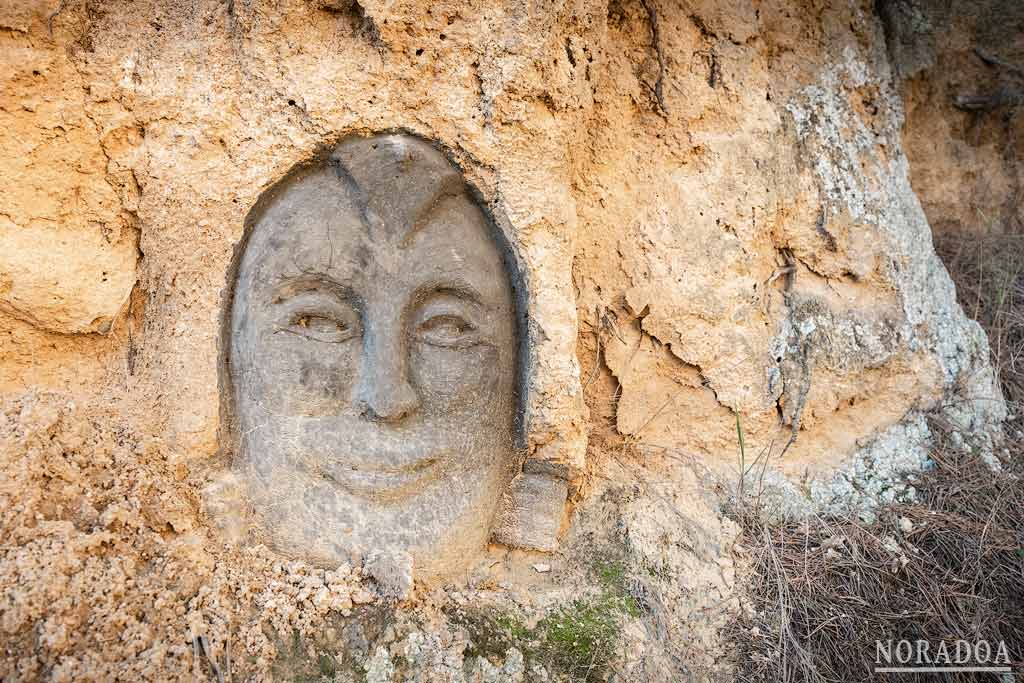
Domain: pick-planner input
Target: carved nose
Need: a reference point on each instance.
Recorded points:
(386, 400)
(384, 393)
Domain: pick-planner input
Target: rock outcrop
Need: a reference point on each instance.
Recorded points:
(729, 282)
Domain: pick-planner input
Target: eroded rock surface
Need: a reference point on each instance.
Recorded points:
(68, 244)
(374, 360)
(961, 73)
(717, 236)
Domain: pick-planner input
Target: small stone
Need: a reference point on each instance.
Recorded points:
(833, 542)
(321, 596)
(392, 572)
(906, 526)
(892, 545)
(542, 568)
(341, 603)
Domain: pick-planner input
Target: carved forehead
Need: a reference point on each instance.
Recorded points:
(397, 179)
(325, 235)
(385, 203)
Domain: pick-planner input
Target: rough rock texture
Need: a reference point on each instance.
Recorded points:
(775, 271)
(961, 67)
(713, 214)
(110, 571)
(68, 244)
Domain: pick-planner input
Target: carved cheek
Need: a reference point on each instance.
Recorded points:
(326, 377)
(299, 376)
(455, 380)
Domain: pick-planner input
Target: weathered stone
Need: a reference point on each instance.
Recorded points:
(961, 77)
(66, 279)
(373, 359)
(715, 234)
(393, 572)
(68, 245)
(532, 511)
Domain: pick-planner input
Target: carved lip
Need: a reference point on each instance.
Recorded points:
(383, 482)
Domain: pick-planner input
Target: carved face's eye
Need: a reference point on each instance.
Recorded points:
(319, 318)
(448, 331)
(448, 320)
(322, 327)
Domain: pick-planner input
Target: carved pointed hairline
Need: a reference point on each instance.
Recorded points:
(447, 185)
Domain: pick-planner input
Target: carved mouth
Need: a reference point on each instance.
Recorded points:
(383, 483)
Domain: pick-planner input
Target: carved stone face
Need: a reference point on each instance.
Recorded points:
(373, 359)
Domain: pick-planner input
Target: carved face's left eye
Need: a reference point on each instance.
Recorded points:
(319, 318)
(448, 331)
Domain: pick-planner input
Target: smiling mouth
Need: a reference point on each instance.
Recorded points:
(382, 483)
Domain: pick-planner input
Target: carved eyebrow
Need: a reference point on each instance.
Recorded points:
(457, 288)
(312, 282)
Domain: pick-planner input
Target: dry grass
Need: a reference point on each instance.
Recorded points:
(989, 275)
(948, 567)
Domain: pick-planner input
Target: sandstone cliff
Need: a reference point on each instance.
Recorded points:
(726, 262)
